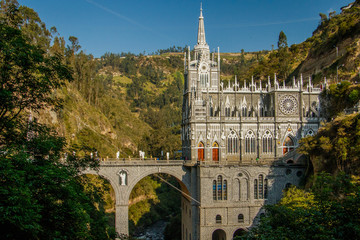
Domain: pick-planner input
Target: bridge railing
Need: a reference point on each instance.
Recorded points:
(139, 161)
(154, 161)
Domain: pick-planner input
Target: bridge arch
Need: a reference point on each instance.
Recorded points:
(180, 177)
(110, 179)
(135, 171)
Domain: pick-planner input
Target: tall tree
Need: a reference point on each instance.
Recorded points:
(284, 56)
(282, 43)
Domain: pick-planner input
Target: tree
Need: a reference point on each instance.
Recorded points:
(323, 18)
(329, 210)
(284, 56)
(282, 43)
(41, 195)
(27, 77)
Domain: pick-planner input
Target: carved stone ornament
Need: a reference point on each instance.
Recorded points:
(288, 104)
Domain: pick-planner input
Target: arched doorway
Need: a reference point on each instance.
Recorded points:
(215, 152)
(288, 145)
(201, 154)
(219, 234)
(239, 232)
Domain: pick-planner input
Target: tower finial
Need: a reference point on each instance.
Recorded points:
(201, 31)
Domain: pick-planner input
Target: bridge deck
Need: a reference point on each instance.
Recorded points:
(187, 163)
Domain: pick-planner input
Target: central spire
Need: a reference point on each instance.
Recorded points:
(201, 31)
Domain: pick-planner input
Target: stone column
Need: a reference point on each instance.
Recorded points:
(121, 219)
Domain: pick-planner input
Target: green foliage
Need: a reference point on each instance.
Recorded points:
(153, 200)
(336, 146)
(41, 196)
(27, 76)
(327, 211)
(173, 229)
(282, 43)
(339, 97)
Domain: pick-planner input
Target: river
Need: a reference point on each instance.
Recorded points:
(153, 232)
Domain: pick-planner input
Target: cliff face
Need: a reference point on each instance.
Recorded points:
(335, 47)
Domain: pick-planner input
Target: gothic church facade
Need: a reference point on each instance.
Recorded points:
(241, 139)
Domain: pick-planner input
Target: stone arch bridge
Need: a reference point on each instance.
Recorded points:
(123, 175)
(219, 199)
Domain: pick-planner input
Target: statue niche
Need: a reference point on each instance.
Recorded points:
(123, 177)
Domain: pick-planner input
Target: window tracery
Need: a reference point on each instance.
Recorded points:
(233, 143)
(250, 142)
(220, 187)
(260, 187)
(267, 142)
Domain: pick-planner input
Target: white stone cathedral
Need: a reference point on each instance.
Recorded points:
(240, 140)
(242, 122)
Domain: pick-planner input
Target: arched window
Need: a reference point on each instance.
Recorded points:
(227, 112)
(260, 188)
(250, 142)
(266, 189)
(240, 218)
(201, 151)
(219, 190)
(244, 111)
(262, 112)
(218, 219)
(215, 152)
(211, 111)
(232, 143)
(267, 142)
(256, 189)
(214, 190)
(204, 80)
(288, 145)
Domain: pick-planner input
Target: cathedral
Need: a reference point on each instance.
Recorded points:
(241, 138)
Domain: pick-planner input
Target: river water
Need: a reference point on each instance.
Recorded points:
(153, 232)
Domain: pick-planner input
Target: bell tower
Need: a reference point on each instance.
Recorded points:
(201, 75)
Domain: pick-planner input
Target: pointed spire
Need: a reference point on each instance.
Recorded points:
(294, 81)
(189, 57)
(201, 30)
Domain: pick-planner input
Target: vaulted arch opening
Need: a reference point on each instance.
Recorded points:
(239, 232)
(289, 144)
(219, 234)
(159, 208)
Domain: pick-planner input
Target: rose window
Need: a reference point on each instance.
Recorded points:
(288, 104)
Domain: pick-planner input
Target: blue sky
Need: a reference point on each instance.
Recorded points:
(148, 25)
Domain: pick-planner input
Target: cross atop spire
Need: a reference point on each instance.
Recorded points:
(201, 31)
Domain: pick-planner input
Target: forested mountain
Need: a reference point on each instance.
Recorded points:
(131, 102)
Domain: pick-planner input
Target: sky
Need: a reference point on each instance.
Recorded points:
(140, 26)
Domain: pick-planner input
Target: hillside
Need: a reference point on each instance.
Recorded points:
(117, 102)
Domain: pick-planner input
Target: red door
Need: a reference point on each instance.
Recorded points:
(201, 152)
(215, 153)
